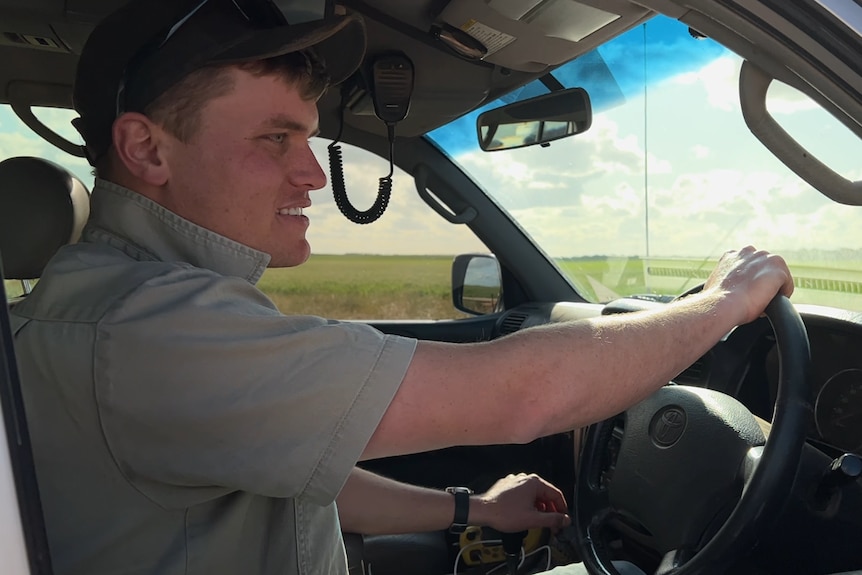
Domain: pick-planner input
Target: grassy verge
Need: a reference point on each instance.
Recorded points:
(364, 287)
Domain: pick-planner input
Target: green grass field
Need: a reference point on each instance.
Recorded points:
(13, 288)
(827, 281)
(365, 287)
(419, 287)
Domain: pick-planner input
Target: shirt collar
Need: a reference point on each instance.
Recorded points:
(146, 230)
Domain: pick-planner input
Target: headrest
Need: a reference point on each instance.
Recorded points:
(42, 208)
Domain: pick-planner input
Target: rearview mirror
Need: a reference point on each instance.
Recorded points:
(537, 120)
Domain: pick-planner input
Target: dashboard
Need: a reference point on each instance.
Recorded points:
(835, 338)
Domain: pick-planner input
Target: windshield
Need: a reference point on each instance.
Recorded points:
(669, 177)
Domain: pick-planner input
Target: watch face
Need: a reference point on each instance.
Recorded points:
(466, 490)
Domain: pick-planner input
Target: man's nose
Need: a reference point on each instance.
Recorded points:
(306, 171)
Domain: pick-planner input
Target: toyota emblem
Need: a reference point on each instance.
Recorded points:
(668, 426)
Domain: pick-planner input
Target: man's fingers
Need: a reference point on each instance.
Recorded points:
(549, 494)
(551, 520)
(778, 261)
(524, 501)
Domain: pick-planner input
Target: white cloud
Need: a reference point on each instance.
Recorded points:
(700, 152)
(12, 145)
(624, 199)
(514, 172)
(784, 99)
(718, 80)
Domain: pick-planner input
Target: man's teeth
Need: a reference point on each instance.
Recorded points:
(289, 211)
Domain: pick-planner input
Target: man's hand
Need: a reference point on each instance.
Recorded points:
(752, 278)
(519, 502)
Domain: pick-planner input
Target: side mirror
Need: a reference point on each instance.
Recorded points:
(477, 284)
(537, 120)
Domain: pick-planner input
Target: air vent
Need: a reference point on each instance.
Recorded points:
(30, 41)
(512, 322)
(13, 38)
(695, 374)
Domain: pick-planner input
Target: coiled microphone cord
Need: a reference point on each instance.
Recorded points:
(339, 189)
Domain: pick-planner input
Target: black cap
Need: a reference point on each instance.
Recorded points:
(126, 48)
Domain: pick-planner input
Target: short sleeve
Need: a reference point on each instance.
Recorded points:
(203, 386)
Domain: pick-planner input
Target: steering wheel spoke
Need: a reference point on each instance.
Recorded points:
(750, 463)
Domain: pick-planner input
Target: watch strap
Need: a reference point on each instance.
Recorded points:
(462, 508)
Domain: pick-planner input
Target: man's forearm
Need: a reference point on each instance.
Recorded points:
(543, 380)
(372, 504)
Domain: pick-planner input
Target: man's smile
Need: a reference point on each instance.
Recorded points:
(289, 211)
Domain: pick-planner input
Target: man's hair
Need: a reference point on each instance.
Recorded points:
(178, 109)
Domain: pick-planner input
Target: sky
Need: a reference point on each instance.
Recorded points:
(679, 161)
(676, 160)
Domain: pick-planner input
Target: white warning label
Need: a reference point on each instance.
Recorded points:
(492, 39)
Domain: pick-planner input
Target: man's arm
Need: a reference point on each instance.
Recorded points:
(372, 504)
(559, 377)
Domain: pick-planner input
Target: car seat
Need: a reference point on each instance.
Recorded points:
(43, 207)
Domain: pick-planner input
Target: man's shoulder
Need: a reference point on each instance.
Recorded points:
(84, 281)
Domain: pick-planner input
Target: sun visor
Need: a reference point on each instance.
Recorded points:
(532, 35)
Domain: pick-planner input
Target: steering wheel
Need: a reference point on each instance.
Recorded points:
(685, 452)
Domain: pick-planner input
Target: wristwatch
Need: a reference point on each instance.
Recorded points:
(462, 508)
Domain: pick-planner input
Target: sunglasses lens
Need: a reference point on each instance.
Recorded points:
(301, 11)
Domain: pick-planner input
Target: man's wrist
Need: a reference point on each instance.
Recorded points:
(721, 305)
(461, 516)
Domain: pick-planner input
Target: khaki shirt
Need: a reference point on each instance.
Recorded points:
(180, 423)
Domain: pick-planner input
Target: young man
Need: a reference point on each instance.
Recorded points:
(180, 423)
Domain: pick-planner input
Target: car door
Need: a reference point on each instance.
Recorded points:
(23, 542)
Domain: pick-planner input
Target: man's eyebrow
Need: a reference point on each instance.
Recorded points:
(287, 123)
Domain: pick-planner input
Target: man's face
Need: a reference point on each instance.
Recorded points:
(247, 171)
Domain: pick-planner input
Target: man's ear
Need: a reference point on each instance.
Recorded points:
(139, 146)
